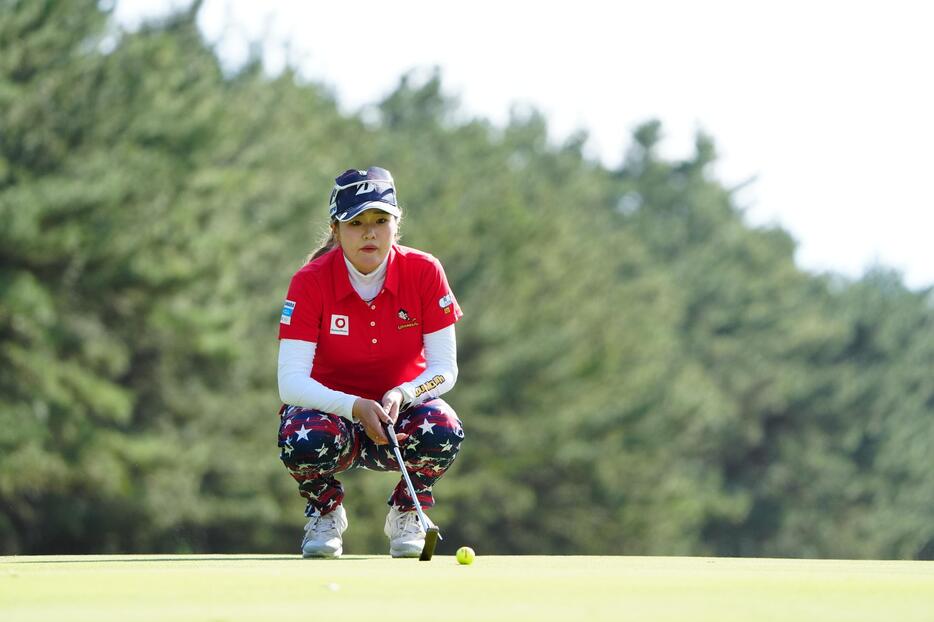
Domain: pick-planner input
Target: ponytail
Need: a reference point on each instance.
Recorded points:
(327, 245)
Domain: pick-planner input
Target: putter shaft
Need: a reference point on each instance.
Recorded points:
(432, 533)
(394, 443)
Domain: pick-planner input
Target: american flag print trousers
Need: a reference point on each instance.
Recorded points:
(314, 446)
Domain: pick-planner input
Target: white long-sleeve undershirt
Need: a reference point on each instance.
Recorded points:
(298, 388)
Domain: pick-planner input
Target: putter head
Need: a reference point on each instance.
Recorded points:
(432, 535)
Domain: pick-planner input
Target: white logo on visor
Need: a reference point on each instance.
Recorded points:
(340, 325)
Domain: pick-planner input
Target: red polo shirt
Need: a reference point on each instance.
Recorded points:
(366, 349)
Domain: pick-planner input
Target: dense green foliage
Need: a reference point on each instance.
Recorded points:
(642, 372)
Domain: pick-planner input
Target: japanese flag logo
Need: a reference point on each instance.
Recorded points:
(340, 325)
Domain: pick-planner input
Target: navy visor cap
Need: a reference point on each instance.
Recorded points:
(356, 191)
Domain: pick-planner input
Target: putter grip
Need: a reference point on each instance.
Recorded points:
(391, 435)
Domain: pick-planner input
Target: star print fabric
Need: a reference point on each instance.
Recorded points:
(314, 446)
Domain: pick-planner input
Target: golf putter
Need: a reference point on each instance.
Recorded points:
(432, 534)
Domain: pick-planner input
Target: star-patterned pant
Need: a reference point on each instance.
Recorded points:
(314, 446)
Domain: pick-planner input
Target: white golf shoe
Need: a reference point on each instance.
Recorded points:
(406, 536)
(323, 534)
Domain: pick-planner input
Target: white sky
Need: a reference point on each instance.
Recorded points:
(824, 102)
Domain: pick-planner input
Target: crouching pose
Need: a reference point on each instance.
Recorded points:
(366, 337)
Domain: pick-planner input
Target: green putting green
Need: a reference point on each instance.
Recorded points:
(217, 588)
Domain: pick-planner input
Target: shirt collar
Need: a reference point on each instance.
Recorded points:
(342, 285)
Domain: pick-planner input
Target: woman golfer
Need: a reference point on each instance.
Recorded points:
(366, 338)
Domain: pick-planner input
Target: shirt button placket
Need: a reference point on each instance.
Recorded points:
(373, 339)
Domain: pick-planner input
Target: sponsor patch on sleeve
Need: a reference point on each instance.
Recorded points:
(445, 301)
(287, 309)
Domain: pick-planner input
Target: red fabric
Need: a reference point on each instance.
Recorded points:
(366, 349)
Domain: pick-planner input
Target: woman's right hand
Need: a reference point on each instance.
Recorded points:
(371, 414)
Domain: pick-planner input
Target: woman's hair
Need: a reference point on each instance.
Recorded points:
(330, 242)
(325, 245)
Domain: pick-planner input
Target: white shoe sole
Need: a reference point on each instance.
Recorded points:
(323, 553)
(406, 551)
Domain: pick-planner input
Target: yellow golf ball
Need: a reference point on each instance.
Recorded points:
(465, 555)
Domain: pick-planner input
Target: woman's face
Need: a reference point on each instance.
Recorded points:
(366, 239)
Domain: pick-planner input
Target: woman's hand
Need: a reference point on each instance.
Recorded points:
(372, 416)
(391, 404)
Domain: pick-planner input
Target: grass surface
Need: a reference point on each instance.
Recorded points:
(263, 587)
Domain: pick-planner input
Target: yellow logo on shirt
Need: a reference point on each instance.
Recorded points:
(428, 386)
